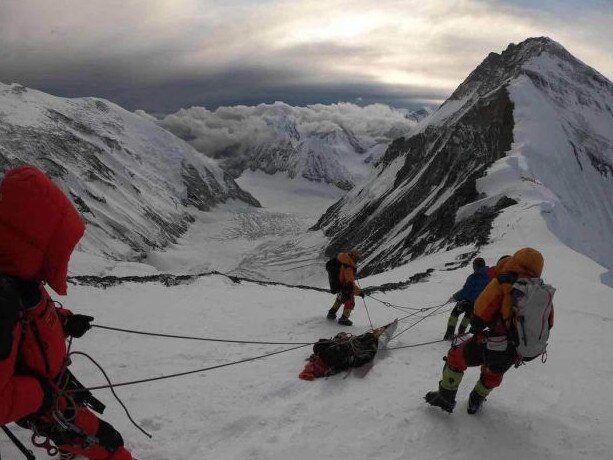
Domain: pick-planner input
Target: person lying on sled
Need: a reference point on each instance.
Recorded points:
(345, 351)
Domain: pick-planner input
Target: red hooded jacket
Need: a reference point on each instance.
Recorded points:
(39, 228)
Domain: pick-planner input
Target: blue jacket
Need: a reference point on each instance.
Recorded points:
(475, 283)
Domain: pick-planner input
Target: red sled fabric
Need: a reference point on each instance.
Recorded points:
(39, 228)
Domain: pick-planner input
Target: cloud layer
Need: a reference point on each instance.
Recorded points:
(232, 133)
(164, 54)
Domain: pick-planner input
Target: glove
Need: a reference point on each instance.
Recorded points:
(451, 299)
(361, 294)
(77, 325)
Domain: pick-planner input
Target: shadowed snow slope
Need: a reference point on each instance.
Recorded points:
(136, 185)
(268, 243)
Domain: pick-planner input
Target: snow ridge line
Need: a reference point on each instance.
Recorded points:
(173, 280)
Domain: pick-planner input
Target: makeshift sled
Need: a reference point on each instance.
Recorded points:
(346, 351)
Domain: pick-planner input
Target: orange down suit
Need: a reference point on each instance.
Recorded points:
(493, 310)
(349, 289)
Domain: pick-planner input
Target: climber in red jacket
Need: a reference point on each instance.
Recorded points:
(39, 228)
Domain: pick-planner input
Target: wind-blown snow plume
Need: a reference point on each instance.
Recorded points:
(330, 143)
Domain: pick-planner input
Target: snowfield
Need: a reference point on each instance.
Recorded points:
(261, 410)
(559, 172)
(268, 243)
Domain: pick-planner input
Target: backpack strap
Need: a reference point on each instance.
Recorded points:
(11, 311)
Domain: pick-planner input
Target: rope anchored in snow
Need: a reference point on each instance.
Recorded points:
(111, 386)
(404, 308)
(195, 371)
(432, 313)
(187, 337)
(415, 345)
(433, 310)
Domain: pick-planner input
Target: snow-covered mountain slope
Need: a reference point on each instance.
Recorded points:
(322, 143)
(136, 185)
(267, 243)
(532, 126)
(260, 410)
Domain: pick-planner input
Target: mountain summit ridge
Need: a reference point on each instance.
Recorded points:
(431, 190)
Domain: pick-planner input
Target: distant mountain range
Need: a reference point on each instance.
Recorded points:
(532, 126)
(135, 184)
(323, 143)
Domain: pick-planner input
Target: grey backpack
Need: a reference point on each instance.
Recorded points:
(532, 305)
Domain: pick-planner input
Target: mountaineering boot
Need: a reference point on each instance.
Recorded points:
(345, 321)
(334, 309)
(475, 400)
(442, 398)
(451, 324)
(477, 397)
(447, 389)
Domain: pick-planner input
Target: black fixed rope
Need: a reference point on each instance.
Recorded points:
(112, 390)
(180, 374)
(404, 308)
(434, 310)
(415, 311)
(372, 328)
(187, 337)
(414, 345)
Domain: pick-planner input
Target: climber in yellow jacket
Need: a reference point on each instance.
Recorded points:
(349, 288)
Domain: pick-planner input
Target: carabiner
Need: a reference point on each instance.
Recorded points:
(52, 451)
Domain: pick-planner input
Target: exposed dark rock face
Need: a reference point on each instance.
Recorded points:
(199, 194)
(410, 207)
(439, 160)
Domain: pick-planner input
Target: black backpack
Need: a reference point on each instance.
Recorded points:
(333, 267)
(10, 312)
(338, 355)
(343, 351)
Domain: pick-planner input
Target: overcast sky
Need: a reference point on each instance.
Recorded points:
(160, 55)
